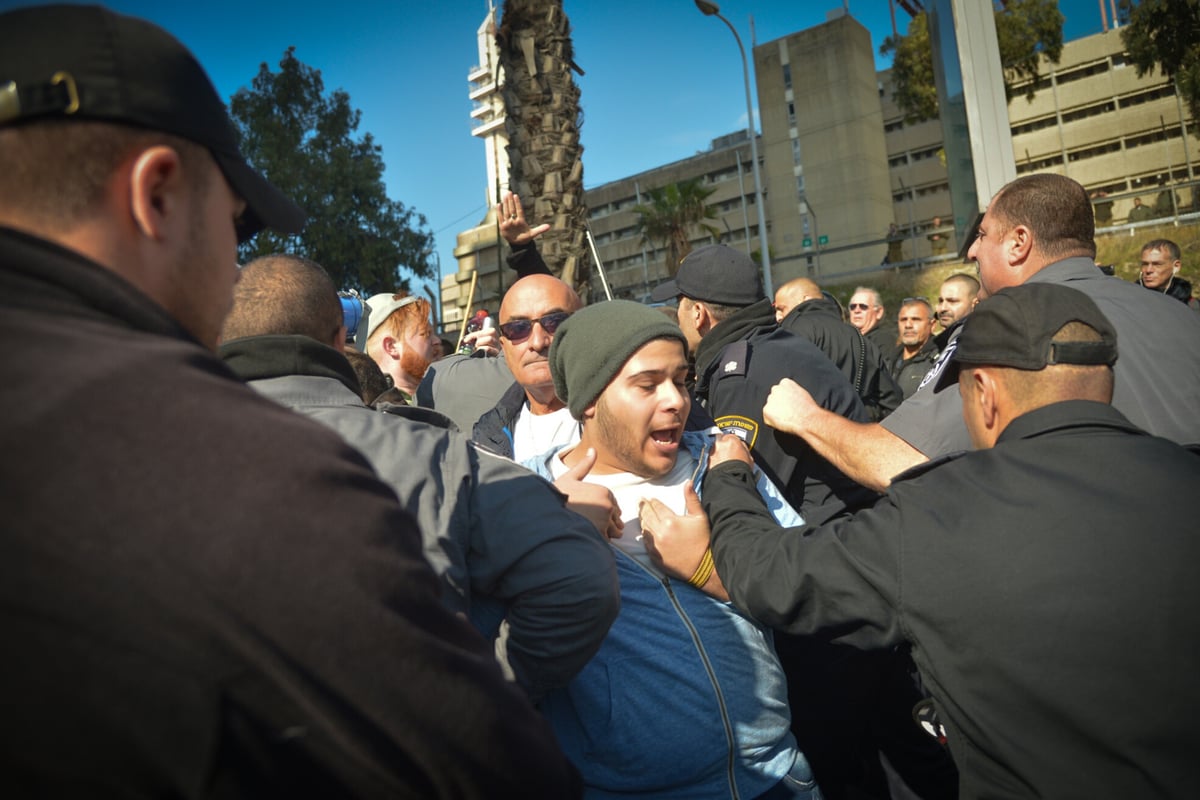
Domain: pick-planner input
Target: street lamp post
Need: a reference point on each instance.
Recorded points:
(713, 10)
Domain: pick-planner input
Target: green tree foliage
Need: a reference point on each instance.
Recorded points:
(912, 71)
(670, 214)
(305, 141)
(1026, 30)
(1166, 34)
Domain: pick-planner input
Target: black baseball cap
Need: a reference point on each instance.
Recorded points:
(1014, 328)
(716, 274)
(86, 62)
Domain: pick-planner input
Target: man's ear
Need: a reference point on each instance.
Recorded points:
(390, 346)
(339, 339)
(701, 317)
(590, 411)
(1018, 242)
(157, 190)
(985, 396)
(1175, 268)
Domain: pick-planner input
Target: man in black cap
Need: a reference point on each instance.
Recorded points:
(740, 354)
(1045, 581)
(202, 593)
(845, 704)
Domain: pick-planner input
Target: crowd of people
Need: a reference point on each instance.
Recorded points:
(730, 547)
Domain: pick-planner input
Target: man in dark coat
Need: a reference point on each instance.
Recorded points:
(1160, 272)
(202, 594)
(803, 309)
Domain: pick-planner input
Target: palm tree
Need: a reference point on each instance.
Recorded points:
(541, 104)
(671, 213)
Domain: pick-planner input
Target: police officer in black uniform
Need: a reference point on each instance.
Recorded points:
(846, 705)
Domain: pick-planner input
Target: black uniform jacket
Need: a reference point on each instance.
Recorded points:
(820, 321)
(204, 594)
(1047, 586)
(737, 363)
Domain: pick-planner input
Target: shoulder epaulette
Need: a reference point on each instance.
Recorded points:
(733, 360)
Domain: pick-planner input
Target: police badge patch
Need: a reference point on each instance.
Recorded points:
(744, 428)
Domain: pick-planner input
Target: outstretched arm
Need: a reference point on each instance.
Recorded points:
(865, 452)
(525, 258)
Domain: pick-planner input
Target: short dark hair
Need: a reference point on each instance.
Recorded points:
(917, 301)
(284, 295)
(1165, 245)
(55, 170)
(970, 281)
(1055, 208)
(719, 311)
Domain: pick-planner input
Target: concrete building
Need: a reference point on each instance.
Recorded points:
(633, 267)
(840, 163)
(1091, 118)
(825, 159)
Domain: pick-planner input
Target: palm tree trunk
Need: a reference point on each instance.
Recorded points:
(543, 120)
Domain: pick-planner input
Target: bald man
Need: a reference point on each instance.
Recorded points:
(811, 313)
(530, 419)
(792, 294)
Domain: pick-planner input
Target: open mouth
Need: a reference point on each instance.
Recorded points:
(667, 437)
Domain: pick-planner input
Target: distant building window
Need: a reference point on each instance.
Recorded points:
(795, 151)
(791, 113)
(787, 75)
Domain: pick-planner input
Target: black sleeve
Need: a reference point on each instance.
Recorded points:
(526, 260)
(884, 394)
(838, 580)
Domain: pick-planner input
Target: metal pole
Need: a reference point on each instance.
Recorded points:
(599, 266)
(713, 10)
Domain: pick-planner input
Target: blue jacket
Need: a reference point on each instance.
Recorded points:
(685, 698)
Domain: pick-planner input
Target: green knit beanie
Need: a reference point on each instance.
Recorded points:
(592, 346)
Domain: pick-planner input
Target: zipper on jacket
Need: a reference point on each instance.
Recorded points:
(712, 676)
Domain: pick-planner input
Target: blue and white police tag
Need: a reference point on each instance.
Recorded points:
(744, 428)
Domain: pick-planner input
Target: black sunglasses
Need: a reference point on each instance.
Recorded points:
(518, 330)
(858, 306)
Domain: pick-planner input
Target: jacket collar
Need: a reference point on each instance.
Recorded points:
(736, 327)
(259, 357)
(39, 274)
(1064, 416)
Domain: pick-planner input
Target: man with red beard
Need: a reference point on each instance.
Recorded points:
(401, 339)
(685, 697)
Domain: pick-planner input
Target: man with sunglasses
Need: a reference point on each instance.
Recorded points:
(866, 313)
(529, 419)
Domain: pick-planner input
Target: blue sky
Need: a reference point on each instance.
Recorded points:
(661, 79)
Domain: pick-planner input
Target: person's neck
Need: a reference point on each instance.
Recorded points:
(604, 464)
(542, 400)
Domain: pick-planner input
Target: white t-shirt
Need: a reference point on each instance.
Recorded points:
(630, 490)
(534, 434)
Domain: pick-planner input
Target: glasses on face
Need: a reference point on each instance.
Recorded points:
(518, 330)
(859, 307)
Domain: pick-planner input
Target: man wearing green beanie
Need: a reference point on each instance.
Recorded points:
(686, 697)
